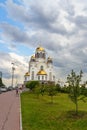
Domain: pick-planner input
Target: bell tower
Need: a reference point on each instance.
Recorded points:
(40, 54)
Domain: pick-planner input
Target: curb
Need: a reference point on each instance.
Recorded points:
(20, 115)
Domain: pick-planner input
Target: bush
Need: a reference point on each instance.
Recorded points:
(32, 84)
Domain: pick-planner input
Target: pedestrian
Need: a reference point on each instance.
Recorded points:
(17, 92)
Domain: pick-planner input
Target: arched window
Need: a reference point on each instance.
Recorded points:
(45, 77)
(41, 67)
(32, 76)
(50, 76)
(42, 77)
(44, 55)
(38, 77)
(41, 54)
(37, 55)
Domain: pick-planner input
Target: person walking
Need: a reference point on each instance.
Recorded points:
(17, 91)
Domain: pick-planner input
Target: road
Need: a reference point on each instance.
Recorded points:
(9, 111)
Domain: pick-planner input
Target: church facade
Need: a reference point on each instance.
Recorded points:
(40, 67)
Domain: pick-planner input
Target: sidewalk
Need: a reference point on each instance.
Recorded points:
(9, 111)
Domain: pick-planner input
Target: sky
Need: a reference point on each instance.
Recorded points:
(59, 26)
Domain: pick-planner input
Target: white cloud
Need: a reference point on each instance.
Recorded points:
(60, 25)
(20, 64)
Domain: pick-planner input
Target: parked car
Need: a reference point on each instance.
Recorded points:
(3, 89)
(9, 88)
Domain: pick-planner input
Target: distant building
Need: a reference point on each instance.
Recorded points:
(40, 67)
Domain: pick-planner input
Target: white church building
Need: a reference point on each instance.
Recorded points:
(40, 67)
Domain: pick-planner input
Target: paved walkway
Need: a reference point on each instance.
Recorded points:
(9, 111)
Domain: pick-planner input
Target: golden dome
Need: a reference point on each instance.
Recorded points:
(27, 74)
(41, 72)
(49, 58)
(33, 56)
(40, 49)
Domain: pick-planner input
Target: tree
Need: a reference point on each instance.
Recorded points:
(42, 89)
(58, 87)
(1, 83)
(39, 89)
(32, 84)
(51, 91)
(74, 84)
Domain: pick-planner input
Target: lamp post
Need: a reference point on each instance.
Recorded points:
(13, 68)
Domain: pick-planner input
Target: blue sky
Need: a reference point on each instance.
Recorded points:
(60, 26)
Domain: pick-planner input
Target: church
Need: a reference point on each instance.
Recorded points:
(40, 67)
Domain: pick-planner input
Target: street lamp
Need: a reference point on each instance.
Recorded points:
(13, 68)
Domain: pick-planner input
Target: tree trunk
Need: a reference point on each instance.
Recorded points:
(76, 107)
(51, 99)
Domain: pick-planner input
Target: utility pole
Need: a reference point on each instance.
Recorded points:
(13, 68)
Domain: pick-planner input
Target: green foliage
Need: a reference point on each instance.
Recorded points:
(37, 90)
(64, 89)
(42, 89)
(83, 90)
(51, 90)
(74, 84)
(58, 87)
(1, 83)
(32, 84)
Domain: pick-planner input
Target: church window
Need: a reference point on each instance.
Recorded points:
(32, 76)
(37, 55)
(42, 77)
(41, 55)
(45, 77)
(41, 67)
(25, 78)
(53, 77)
(50, 76)
(38, 77)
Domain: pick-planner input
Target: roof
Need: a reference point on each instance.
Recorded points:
(27, 74)
(49, 58)
(41, 72)
(33, 56)
(40, 49)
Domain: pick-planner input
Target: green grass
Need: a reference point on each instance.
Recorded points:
(40, 114)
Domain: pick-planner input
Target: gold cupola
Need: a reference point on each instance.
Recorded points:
(27, 74)
(32, 58)
(40, 48)
(41, 72)
(49, 60)
(40, 53)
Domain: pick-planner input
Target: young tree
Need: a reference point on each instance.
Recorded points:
(39, 89)
(32, 84)
(58, 87)
(74, 84)
(51, 91)
(42, 89)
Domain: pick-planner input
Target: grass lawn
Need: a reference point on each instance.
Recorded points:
(40, 114)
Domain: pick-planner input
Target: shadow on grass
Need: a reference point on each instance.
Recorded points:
(73, 115)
